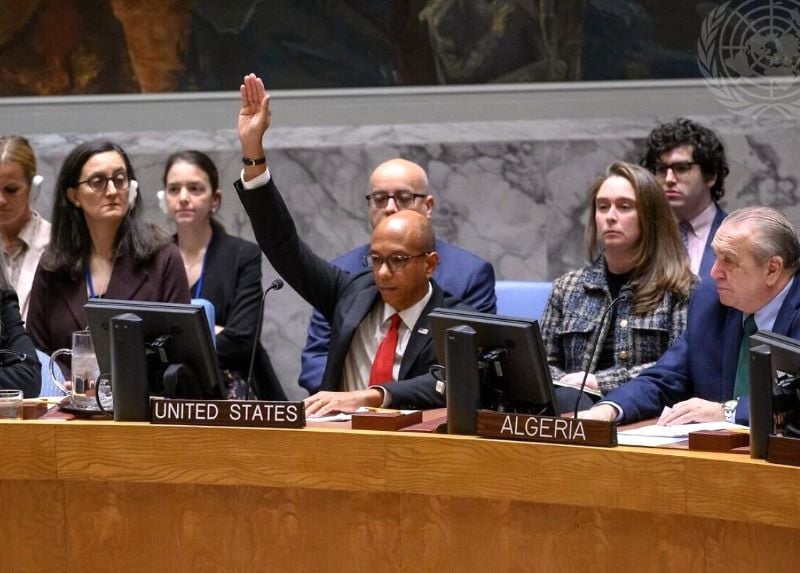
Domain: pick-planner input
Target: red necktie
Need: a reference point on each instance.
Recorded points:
(384, 359)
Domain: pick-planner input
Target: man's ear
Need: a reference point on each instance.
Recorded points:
(775, 267)
(431, 262)
(429, 204)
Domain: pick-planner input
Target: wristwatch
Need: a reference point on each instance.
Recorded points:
(251, 162)
(729, 411)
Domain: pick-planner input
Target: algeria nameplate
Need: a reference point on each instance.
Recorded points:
(508, 426)
(248, 413)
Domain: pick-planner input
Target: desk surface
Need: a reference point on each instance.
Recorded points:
(328, 486)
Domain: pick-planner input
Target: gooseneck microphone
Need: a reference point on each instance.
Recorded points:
(277, 284)
(624, 295)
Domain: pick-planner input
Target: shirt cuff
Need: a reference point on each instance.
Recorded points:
(617, 407)
(257, 181)
(387, 396)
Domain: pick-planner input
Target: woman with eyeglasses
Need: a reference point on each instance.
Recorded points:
(630, 303)
(221, 268)
(25, 232)
(99, 247)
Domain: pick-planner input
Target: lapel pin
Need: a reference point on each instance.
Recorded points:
(422, 331)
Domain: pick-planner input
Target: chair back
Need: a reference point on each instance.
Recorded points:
(526, 299)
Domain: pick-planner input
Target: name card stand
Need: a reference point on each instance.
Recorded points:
(386, 421)
(782, 450)
(242, 413)
(719, 441)
(528, 428)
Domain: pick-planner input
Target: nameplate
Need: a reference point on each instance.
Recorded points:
(247, 413)
(546, 429)
(782, 450)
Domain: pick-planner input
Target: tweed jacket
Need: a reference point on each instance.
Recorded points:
(572, 317)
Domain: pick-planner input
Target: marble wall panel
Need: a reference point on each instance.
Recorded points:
(512, 192)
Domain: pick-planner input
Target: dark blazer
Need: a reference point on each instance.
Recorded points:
(232, 283)
(22, 375)
(344, 299)
(708, 254)
(56, 307)
(702, 362)
(460, 273)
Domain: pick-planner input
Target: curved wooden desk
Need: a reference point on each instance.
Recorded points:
(104, 496)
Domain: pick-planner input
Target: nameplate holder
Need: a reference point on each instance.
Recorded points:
(527, 428)
(782, 450)
(239, 413)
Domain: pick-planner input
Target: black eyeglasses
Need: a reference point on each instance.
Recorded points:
(403, 199)
(679, 168)
(99, 183)
(394, 262)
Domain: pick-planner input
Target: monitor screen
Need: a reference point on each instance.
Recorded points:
(775, 390)
(173, 334)
(514, 375)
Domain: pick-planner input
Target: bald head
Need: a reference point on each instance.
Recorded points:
(409, 237)
(398, 184)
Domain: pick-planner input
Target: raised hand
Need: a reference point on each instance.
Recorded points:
(254, 115)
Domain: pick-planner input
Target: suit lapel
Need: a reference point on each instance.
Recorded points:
(125, 281)
(75, 296)
(787, 315)
(708, 253)
(420, 335)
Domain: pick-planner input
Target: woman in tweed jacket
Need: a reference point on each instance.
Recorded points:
(635, 248)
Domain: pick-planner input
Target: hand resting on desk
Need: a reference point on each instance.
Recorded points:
(691, 410)
(324, 403)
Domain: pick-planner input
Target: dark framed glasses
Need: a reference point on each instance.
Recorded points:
(679, 168)
(403, 199)
(99, 183)
(394, 262)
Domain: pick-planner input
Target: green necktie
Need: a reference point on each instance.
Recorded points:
(742, 386)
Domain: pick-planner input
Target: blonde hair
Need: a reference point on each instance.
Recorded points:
(16, 149)
(660, 264)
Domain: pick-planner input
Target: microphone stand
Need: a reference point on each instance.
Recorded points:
(277, 284)
(625, 295)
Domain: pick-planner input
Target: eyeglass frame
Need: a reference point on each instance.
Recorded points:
(105, 182)
(413, 197)
(683, 170)
(400, 261)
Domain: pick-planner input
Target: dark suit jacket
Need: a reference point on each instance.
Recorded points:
(56, 307)
(708, 254)
(26, 374)
(344, 299)
(460, 273)
(232, 283)
(702, 362)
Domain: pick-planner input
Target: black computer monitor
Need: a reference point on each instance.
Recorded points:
(175, 335)
(774, 389)
(509, 360)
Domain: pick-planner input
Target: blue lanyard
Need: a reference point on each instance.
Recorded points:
(198, 286)
(89, 284)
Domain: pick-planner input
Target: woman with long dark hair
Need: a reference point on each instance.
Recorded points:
(99, 247)
(221, 268)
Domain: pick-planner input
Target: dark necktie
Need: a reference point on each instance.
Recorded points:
(742, 386)
(685, 228)
(384, 359)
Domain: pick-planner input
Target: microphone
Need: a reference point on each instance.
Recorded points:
(277, 284)
(624, 295)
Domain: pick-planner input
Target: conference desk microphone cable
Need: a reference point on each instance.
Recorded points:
(277, 284)
(624, 295)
